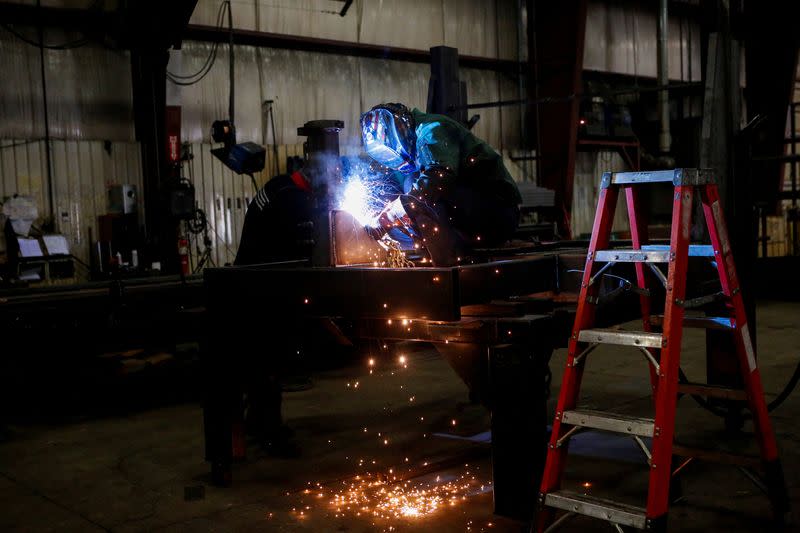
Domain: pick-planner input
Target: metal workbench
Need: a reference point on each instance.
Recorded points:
(496, 323)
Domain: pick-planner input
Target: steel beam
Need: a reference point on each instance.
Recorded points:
(199, 32)
(366, 292)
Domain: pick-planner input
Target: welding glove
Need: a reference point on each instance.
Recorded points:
(392, 216)
(445, 245)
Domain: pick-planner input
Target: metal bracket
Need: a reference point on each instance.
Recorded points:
(566, 436)
(559, 522)
(600, 272)
(652, 359)
(644, 448)
(757, 481)
(578, 358)
(660, 275)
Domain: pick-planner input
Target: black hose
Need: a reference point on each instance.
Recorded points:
(787, 390)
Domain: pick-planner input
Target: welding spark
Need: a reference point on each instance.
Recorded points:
(364, 192)
(355, 200)
(390, 500)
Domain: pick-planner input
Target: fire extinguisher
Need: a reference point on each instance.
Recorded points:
(183, 255)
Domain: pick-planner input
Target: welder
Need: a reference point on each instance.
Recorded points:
(455, 182)
(276, 228)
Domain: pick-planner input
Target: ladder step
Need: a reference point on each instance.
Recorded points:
(695, 250)
(705, 322)
(678, 176)
(658, 176)
(713, 391)
(613, 422)
(609, 510)
(654, 253)
(620, 337)
(632, 256)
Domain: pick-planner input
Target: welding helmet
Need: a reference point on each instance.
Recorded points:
(389, 137)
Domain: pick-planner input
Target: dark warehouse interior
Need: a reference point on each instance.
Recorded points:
(409, 265)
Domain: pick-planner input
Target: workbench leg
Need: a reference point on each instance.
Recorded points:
(519, 388)
(222, 407)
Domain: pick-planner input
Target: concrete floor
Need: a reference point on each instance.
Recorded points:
(369, 439)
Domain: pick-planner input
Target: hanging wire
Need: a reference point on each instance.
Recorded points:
(208, 64)
(40, 44)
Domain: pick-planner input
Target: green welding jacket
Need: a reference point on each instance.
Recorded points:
(442, 141)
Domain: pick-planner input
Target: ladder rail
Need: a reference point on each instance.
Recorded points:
(639, 237)
(666, 393)
(584, 316)
(715, 220)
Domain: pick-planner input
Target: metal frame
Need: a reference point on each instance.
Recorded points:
(369, 292)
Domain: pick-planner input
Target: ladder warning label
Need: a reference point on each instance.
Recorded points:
(748, 347)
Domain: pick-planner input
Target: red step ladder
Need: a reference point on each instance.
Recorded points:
(662, 350)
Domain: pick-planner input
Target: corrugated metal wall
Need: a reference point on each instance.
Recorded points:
(486, 28)
(621, 37)
(309, 86)
(82, 173)
(89, 92)
(89, 99)
(589, 168)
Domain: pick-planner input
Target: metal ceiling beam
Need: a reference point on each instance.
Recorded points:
(197, 32)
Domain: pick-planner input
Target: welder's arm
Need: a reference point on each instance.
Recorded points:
(392, 216)
(433, 183)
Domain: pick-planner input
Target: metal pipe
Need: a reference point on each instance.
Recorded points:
(793, 176)
(197, 32)
(46, 116)
(231, 66)
(664, 138)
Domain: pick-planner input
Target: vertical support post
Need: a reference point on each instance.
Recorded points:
(556, 43)
(149, 68)
(445, 90)
(664, 138)
(793, 176)
(322, 168)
